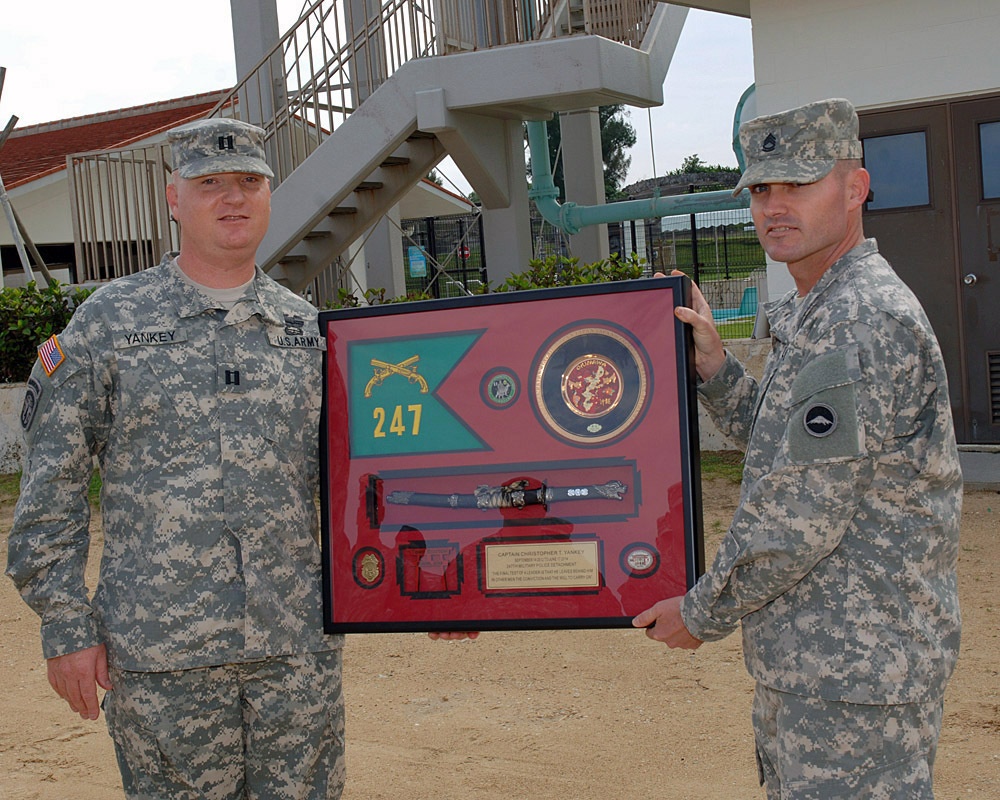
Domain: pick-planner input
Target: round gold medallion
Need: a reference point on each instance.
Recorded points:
(592, 386)
(591, 383)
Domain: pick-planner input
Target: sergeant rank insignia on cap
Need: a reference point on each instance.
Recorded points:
(51, 355)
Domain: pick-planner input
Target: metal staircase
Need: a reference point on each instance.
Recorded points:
(348, 213)
(361, 99)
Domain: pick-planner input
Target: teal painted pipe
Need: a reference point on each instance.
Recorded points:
(570, 218)
(737, 147)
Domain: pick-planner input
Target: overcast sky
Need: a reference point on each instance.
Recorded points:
(67, 58)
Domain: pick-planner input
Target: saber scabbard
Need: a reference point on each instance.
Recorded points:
(511, 495)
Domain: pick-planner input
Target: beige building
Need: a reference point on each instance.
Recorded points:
(926, 82)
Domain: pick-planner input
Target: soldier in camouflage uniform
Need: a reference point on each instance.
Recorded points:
(196, 385)
(840, 561)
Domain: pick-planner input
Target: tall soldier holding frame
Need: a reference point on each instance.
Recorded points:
(841, 560)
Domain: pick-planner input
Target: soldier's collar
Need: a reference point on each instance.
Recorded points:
(260, 298)
(267, 303)
(785, 314)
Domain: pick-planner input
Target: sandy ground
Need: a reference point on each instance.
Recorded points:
(569, 714)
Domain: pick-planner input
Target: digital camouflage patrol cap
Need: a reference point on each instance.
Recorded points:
(212, 146)
(800, 145)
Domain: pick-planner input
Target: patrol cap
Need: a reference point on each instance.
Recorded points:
(800, 145)
(212, 146)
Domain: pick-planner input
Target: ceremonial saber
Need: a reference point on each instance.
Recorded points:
(512, 495)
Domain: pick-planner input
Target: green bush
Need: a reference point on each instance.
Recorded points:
(28, 317)
(565, 271)
(31, 315)
(372, 297)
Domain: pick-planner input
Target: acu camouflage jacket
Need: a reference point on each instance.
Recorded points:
(841, 559)
(205, 427)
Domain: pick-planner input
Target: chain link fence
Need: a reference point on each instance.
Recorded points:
(719, 250)
(444, 256)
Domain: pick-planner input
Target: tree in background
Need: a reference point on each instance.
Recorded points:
(694, 165)
(617, 136)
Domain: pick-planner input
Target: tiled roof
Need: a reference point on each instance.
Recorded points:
(35, 151)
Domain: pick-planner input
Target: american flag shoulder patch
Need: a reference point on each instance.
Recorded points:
(51, 355)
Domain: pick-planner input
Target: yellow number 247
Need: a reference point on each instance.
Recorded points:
(397, 424)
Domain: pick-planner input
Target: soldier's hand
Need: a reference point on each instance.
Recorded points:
(663, 623)
(709, 353)
(453, 635)
(75, 677)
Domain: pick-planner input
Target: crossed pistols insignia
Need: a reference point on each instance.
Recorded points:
(407, 368)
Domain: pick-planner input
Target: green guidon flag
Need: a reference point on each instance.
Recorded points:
(393, 402)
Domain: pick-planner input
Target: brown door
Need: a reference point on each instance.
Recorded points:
(911, 215)
(976, 133)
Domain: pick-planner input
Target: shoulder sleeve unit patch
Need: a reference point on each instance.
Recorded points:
(51, 355)
(31, 399)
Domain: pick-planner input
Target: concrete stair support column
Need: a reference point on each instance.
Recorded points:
(507, 229)
(378, 153)
(584, 177)
(384, 265)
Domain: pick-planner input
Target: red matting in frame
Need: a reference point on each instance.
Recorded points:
(520, 460)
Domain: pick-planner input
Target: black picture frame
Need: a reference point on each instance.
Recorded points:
(509, 461)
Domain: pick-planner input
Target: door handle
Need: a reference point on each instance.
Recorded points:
(970, 279)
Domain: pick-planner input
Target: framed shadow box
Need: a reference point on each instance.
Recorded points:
(524, 460)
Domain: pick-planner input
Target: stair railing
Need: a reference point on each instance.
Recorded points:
(336, 55)
(321, 70)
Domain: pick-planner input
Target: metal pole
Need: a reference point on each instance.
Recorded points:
(694, 241)
(482, 248)
(15, 231)
(432, 251)
(652, 147)
(12, 221)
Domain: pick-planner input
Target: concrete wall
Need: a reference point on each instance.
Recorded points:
(43, 207)
(753, 353)
(11, 441)
(874, 52)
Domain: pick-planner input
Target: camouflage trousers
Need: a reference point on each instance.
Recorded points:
(264, 730)
(813, 749)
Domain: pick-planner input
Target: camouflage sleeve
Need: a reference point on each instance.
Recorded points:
(790, 520)
(797, 506)
(64, 422)
(729, 398)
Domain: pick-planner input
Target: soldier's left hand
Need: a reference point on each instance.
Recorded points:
(663, 623)
(76, 676)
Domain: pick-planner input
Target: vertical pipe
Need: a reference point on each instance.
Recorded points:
(725, 249)
(462, 244)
